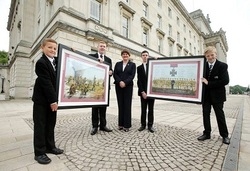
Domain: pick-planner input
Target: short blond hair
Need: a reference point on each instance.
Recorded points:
(210, 49)
(46, 40)
(102, 42)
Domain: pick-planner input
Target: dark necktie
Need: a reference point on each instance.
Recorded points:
(54, 63)
(101, 56)
(210, 69)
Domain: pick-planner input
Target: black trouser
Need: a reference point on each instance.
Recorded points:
(144, 104)
(124, 100)
(220, 116)
(99, 114)
(44, 125)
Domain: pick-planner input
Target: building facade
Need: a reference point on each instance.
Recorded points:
(162, 27)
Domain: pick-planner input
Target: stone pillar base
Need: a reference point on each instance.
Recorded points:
(2, 96)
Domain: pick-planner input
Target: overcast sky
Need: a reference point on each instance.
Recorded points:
(233, 16)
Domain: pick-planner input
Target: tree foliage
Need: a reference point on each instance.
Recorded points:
(237, 89)
(3, 57)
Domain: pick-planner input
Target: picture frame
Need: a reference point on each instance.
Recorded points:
(82, 81)
(176, 78)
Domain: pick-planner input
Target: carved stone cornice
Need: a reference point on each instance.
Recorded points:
(179, 45)
(123, 5)
(102, 1)
(160, 32)
(50, 1)
(185, 50)
(97, 36)
(171, 40)
(145, 21)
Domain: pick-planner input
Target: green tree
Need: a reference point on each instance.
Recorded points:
(3, 57)
(237, 89)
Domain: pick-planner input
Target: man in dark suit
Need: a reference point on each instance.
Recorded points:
(99, 113)
(45, 103)
(142, 92)
(215, 79)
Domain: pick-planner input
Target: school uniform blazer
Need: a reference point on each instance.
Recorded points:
(45, 84)
(217, 80)
(141, 79)
(106, 59)
(127, 75)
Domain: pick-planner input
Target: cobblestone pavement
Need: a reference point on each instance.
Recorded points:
(173, 146)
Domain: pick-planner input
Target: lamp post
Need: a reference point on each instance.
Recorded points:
(2, 84)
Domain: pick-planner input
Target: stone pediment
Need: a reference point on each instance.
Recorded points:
(160, 32)
(171, 39)
(146, 22)
(124, 6)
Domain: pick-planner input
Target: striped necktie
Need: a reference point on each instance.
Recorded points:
(210, 69)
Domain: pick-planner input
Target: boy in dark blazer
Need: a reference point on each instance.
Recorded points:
(215, 79)
(45, 103)
(142, 92)
(99, 113)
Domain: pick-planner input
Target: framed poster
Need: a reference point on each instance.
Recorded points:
(82, 81)
(176, 78)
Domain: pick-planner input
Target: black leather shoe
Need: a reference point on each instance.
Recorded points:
(43, 159)
(141, 128)
(151, 129)
(226, 140)
(105, 129)
(125, 129)
(93, 131)
(203, 137)
(55, 151)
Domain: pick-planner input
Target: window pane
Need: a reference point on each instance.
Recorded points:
(145, 37)
(125, 26)
(145, 9)
(95, 8)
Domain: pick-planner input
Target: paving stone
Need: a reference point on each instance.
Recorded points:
(171, 147)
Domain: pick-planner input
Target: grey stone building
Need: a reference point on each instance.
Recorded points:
(163, 27)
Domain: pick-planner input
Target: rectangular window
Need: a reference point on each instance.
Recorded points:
(145, 37)
(170, 50)
(145, 9)
(169, 30)
(178, 37)
(190, 36)
(169, 12)
(178, 52)
(184, 28)
(159, 44)
(190, 47)
(125, 26)
(159, 21)
(178, 21)
(185, 42)
(159, 3)
(95, 10)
